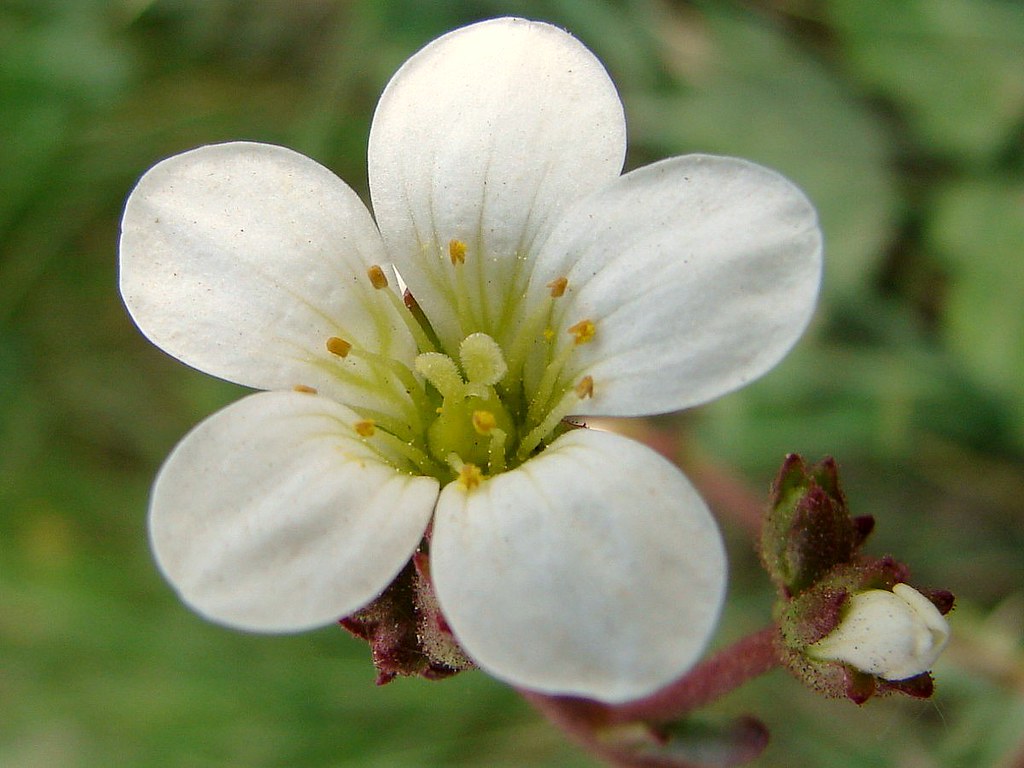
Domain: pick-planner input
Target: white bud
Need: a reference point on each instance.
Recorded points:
(892, 635)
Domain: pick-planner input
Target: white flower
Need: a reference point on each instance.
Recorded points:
(565, 560)
(892, 635)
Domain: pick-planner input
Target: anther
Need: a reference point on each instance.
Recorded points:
(470, 476)
(338, 347)
(558, 286)
(304, 389)
(457, 251)
(365, 428)
(484, 422)
(377, 277)
(583, 331)
(585, 387)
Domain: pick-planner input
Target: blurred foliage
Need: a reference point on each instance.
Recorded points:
(904, 121)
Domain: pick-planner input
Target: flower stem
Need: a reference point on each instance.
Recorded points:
(726, 670)
(590, 723)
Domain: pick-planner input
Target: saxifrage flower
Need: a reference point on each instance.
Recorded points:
(541, 284)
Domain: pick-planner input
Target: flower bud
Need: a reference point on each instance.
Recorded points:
(808, 529)
(892, 635)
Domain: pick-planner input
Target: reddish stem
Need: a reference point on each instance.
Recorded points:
(726, 670)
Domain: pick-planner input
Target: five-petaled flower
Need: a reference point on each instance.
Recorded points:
(542, 284)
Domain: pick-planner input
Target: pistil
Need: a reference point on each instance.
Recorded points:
(464, 411)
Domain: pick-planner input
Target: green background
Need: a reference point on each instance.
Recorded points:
(902, 119)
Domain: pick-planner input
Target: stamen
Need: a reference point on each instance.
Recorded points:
(484, 422)
(405, 428)
(410, 397)
(570, 399)
(548, 381)
(338, 347)
(365, 428)
(419, 325)
(377, 277)
(583, 331)
(482, 360)
(392, 449)
(412, 305)
(304, 389)
(405, 307)
(455, 462)
(558, 286)
(470, 476)
(537, 324)
(464, 310)
(496, 451)
(407, 385)
(585, 387)
(457, 251)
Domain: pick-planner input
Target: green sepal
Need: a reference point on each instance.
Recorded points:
(808, 529)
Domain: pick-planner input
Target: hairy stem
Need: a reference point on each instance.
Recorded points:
(726, 670)
(589, 723)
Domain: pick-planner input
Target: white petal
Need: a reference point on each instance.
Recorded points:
(486, 136)
(895, 635)
(243, 259)
(272, 516)
(593, 569)
(700, 273)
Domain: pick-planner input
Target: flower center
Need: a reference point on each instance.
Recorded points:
(473, 425)
(474, 411)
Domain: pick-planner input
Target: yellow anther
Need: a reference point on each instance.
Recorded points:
(365, 428)
(338, 347)
(470, 476)
(457, 251)
(549, 334)
(558, 286)
(304, 389)
(484, 422)
(585, 387)
(583, 331)
(377, 277)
